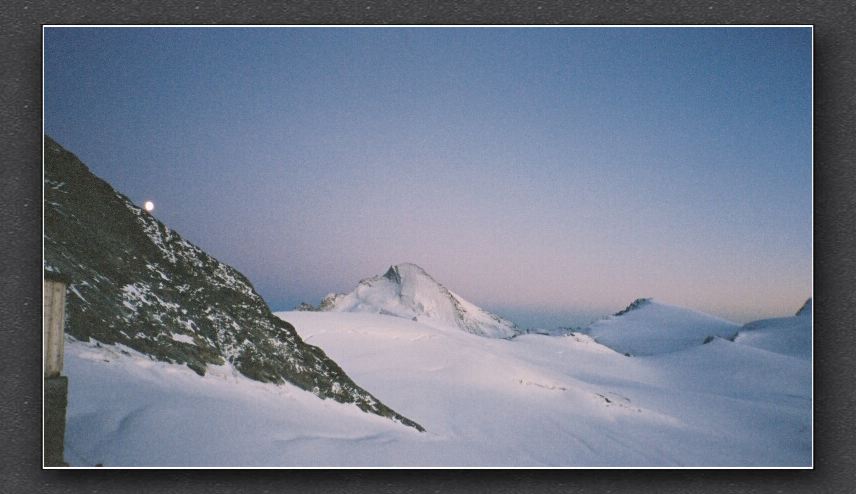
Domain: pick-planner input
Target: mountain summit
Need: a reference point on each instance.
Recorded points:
(137, 283)
(648, 327)
(407, 291)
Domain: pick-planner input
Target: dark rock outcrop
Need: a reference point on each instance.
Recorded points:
(136, 282)
(639, 302)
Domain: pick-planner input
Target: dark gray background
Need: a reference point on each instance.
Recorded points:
(20, 277)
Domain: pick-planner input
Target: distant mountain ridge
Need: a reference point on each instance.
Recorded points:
(648, 327)
(786, 335)
(136, 282)
(406, 290)
(639, 302)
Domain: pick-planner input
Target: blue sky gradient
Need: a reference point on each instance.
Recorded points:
(549, 174)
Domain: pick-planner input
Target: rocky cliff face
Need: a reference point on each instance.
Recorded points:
(136, 282)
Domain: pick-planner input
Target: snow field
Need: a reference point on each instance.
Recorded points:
(531, 401)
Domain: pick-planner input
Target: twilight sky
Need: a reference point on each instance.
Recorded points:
(551, 175)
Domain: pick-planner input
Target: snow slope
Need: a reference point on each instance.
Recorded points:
(533, 400)
(126, 409)
(407, 291)
(553, 401)
(647, 327)
(785, 335)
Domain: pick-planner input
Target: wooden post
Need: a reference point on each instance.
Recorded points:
(54, 322)
(56, 386)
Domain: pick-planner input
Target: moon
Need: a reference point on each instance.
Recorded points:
(149, 205)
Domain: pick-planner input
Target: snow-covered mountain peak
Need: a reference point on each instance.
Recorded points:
(406, 290)
(406, 270)
(649, 327)
(790, 335)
